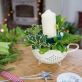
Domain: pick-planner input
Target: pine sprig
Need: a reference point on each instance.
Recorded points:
(8, 59)
(1, 67)
(7, 54)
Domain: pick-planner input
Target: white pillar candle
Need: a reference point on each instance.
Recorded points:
(49, 23)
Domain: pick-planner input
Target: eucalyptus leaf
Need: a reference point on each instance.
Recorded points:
(43, 50)
(4, 44)
(4, 50)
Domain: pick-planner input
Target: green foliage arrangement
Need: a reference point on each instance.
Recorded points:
(60, 21)
(7, 54)
(14, 35)
(7, 40)
(66, 26)
(35, 37)
(70, 27)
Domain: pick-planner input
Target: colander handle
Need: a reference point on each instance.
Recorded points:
(71, 49)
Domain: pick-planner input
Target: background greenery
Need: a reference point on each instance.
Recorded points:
(8, 38)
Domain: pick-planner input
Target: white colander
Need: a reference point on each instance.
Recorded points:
(52, 56)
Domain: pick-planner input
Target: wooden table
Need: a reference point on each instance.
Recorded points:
(28, 65)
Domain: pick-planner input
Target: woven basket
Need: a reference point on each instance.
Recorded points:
(52, 56)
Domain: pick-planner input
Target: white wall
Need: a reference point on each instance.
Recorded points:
(1, 15)
(70, 9)
(54, 5)
(67, 8)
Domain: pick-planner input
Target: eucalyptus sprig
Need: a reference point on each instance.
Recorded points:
(34, 29)
(59, 23)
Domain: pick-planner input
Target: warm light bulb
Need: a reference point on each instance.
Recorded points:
(9, 14)
(5, 19)
(39, 13)
(1, 30)
(39, 1)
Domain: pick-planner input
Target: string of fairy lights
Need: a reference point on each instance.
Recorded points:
(8, 15)
(39, 2)
(10, 11)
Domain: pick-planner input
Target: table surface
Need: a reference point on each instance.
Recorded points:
(28, 65)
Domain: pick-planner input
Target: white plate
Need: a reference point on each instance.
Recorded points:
(69, 77)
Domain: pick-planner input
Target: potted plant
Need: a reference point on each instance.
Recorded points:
(49, 50)
(50, 42)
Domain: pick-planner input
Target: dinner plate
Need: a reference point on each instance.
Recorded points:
(69, 77)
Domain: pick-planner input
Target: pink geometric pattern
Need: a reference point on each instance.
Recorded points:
(10, 77)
